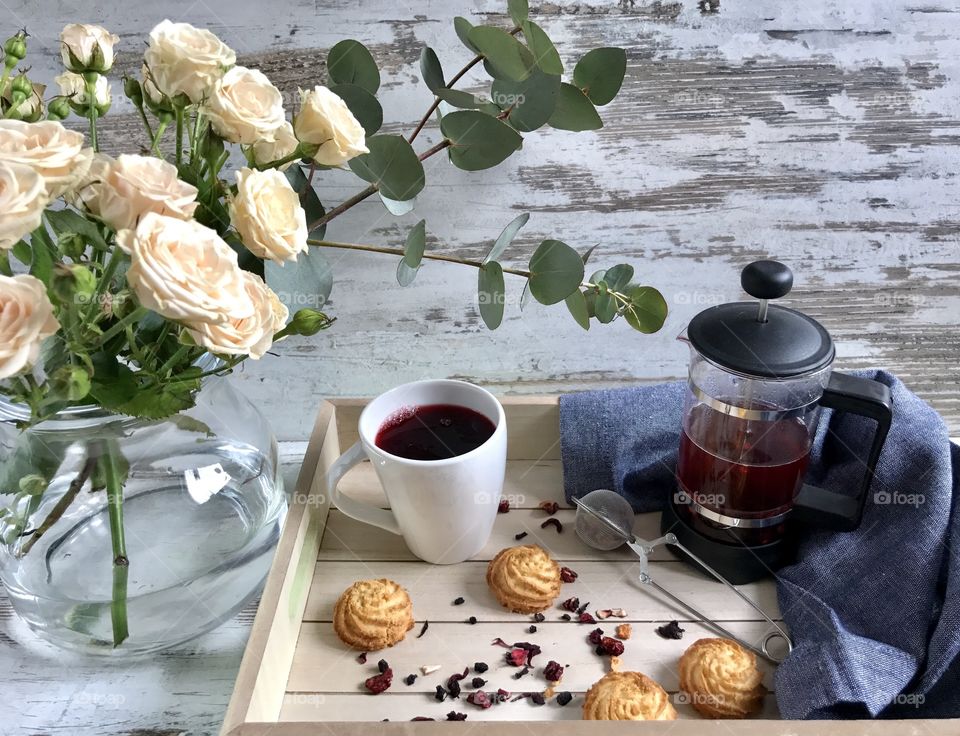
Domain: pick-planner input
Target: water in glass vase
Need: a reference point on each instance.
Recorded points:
(202, 510)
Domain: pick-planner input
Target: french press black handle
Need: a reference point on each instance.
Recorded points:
(864, 397)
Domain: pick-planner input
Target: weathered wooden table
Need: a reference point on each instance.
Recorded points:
(822, 133)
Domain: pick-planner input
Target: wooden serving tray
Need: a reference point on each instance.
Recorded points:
(297, 678)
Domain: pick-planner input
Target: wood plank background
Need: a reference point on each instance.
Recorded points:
(822, 133)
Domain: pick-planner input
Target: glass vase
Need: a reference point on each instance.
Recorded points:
(200, 505)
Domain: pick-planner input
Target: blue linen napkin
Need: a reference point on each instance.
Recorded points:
(874, 613)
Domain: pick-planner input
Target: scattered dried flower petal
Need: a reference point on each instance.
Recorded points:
(564, 698)
(479, 699)
(383, 666)
(554, 522)
(503, 507)
(519, 535)
(531, 629)
(567, 617)
(415, 718)
(611, 646)
(516, 657)
(478, 682)
(498, 642)
(440, 695)
(537, 698)
(472, 620)
(410, 679)
(551, 507)
(671, 630)
(624, 631)
(567, 575)
(378, 683)
(521, 673)
(458, 601)
(571, 604)
(595, 636)
(539, 618)
(454, 716)
(362, 658)
(586, 618)
(553, 671)
(429, 669)
(480, 667)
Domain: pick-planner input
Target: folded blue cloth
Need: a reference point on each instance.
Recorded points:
(874, 613)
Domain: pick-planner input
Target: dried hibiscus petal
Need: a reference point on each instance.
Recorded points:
(611, 646)
(454, 716)
(671, 630)
(441, 694)
(382, 665)
(539, 618)
(586, 618)
(551, 507)
(498, 642)
(532, 649)
(478, 682)
(410, 679)
(480, 699)
(537, 698)
(553, 671)
(595, 636)
(521, 673)
(378, 683)
(567, 575)
(504, 506)
(502, 695)
(564, 698)
(517, 657)
(362, 658)
(480, 667)
(554, 522)
(571, 604)
(519, 535)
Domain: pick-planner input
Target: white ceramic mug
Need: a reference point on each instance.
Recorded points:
(444, 509)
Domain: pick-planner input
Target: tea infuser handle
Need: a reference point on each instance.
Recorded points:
(351, 507)
(863, 397)
(765, 280)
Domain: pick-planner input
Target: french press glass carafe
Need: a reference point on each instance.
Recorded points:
(759, 376)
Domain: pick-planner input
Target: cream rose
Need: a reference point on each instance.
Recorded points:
(74, 88)
(325, 120)
(85, 47)
(284, 143)
(251, 335)
(184, 271)
(267, 214)
(150, 91)
(244, 107)
(22, 199)
(186, 60)
(131, 186)
(26, 320)
(55, 153)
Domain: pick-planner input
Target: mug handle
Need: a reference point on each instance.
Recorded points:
(366, 513)
(863, 397)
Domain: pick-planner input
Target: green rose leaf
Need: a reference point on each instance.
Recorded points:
(544, 52)
(462, 27)
(600, 73)
(392, 165)
(506, 237)
(42, 256)
(556, 271)
(529, 104)
(312, 206)
(412, 254)
(431, 70)
(605, 307)
(577, 305)
(307, 283)
(364, 106)
(505, 57)
(164, 400)
(574, 111)
(490, 293)
(647, 309)
(519, 10)
(618, 276)
(478, 140)
(350, 62)
(21, 251)
(67, 223)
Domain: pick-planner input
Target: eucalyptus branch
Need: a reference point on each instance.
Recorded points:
(399, 252)
(453, 80)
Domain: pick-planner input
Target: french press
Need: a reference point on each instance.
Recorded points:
(759, 376)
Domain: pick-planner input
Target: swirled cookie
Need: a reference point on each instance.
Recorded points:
(373, 614)
(627, 696)
(721, 678)
(524, 579)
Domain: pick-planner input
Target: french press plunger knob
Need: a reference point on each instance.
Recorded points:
(765, 280)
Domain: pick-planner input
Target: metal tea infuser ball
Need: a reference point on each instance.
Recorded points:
(605, 521)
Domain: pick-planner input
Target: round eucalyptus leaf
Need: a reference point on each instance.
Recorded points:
(364, 106)
(490, 294)
(605, 308)
(506, 57)
(577, 306)
(350, 62)
(600, 73)
(412, 254)
(506, 237)
(556, 271)
(574, 111)
(588, 253)
(392, 165)
(459, 98)
(462, 27)
(544, 52)
(647, 309)
(519, 10)
(590, 298)
(525, 296)
(430, 69)
(307, 285)
(479, 141)
(618, 276)
(396, 207)
(597, 276)
(312, 206)
(530, 103)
